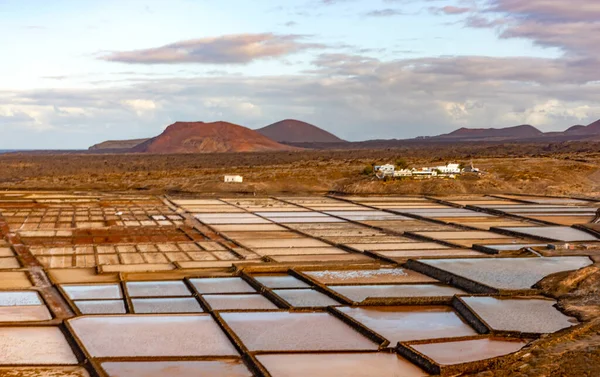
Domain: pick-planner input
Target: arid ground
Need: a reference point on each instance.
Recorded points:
(549, 169)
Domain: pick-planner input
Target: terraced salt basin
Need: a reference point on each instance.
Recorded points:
(524, 315)
(239, 302)
(557, 233)
(284, 331)
(339, 365)
(466, 351)
(507, 273)
(225, 367)
(152, 336)
(157, 289)
(329, 250)
(381, 276)
(22, 306)
(35, 346)
(222, 285)
(166, 305)
(101, 306)
(405, 323)
(305, 298)
(39, 371)
(93, 292)
(447, 252)
(359, 293)
(280, 281)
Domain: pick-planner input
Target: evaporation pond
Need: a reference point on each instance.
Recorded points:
(225, 367)
(152, 336)
(508, 273)
(222, 285)
(522, 315)
(280, 281)
(239, 302)
(404, 323)
(339, 365)
(43, 372)
(157, 289)
(93, 292)
(166, 305)
(381, 276)
(359, 293)
(283, 331)
(559, 233)
(22, 306)
(466, 351)
(101, 306)
(35, 346)
(305, 298)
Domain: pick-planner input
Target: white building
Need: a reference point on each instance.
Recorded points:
(386, 169)
(403, 173)
(449, 169)
(234, 179)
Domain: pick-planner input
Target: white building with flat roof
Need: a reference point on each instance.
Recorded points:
(233, 179)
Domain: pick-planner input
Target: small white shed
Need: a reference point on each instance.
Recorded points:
(234, 179)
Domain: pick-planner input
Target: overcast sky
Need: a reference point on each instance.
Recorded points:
(77, 72)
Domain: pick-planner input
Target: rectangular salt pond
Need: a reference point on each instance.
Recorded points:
(22, 306)
(280, 281)
(345, 257)
(166, 305)
(222, 285)
(508, 273)
(287, 243)
(429, 253)
(305, 298)
(298, 251)
(405, 323)
(35, 346)
(93, 292)
(381, 276)
(225, 367)
(372, 364)
(101, 306)
(558, 233)
(157, 289)
(152, 336)
(460, 235)
(39, 371)
(520, 315)
(467, 351)
(359, 293)
(283, 331)
(239, 302)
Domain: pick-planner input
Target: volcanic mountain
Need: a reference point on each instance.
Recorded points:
(517, 132)
(592, 129)
(296, 131)
(116, 144)
(200, 137)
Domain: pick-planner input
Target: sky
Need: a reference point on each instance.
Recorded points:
(77, 72)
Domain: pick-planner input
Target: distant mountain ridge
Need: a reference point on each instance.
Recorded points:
(524, 131)
(216, 137)
(296, 131)
(116, 144)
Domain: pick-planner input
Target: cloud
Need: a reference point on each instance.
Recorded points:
(384, 13)
(227, 49)
(450, 10)
(572, 26)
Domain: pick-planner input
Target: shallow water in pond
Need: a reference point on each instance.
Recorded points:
(222, 285)
(404, 323)
(283, 331)
(231, 302)
(152, 336)
(450, 353)
(339, 365)
(229, 368)
(300, 298)
(166, 305)
(157, 289)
